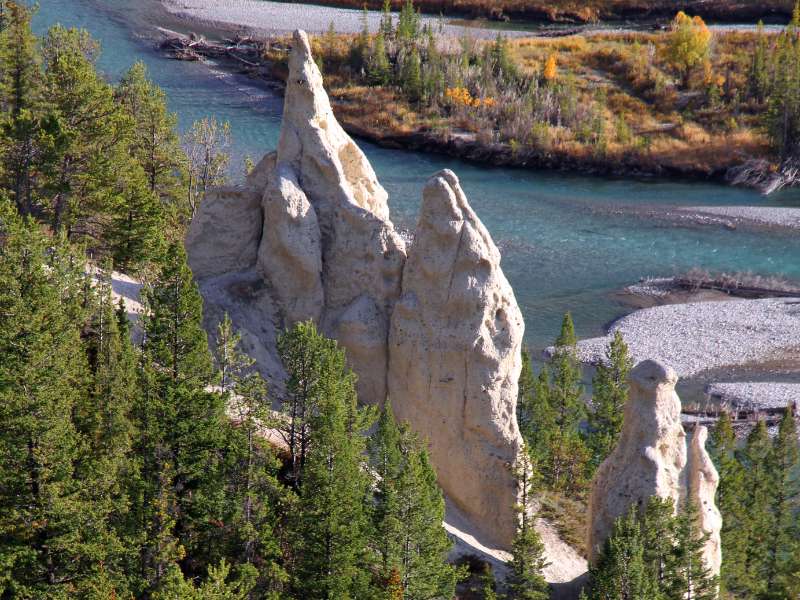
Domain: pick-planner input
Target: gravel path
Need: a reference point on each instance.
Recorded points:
(264, 17)
(699, 336)
(755, 395)
(763, 215)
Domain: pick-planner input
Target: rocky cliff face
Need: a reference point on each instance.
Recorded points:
(455, 356)
(329, 250)
(308, 236)
(652, 459)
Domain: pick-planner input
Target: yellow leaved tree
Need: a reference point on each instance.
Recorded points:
(550, 68)
(688, 44)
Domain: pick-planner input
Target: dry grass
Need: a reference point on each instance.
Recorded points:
(569, 517)
(622, 85)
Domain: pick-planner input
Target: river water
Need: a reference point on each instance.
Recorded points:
(563, 250)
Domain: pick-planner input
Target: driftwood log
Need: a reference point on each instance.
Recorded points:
(242, 49)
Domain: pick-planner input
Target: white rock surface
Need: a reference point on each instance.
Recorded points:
(652, 459)
(649, 457)
(702, 481)
(455, 357)
(224, 234)
(329, 249)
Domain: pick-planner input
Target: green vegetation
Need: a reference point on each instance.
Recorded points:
(759, 497)
(101, 164)
(653, 554)
(686, 101)
(142, 471)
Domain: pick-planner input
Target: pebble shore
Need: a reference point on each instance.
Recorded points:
(755, 396)
(699, 336)
(263, 17)
(771, 216)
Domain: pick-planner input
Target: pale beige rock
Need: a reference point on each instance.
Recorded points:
(702, 480)
(455, 358)
(224, 234)
(649, 457)
(327, 184)
(290, 255)
(652, 459)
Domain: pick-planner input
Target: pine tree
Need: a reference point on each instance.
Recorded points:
(783, 465)
(54, 534)
(174, 336)
(387, 24)
(411, 75)
(621, 571)
(306, 357)
(692, 578)
(182, 424)
(21, 96)
(757, 503)
(730, 501)
(566, 390)
(537, 416)
(379, 70)
(568, 453)
(658, 537)
(525, 580)
(252, 488)
(408, 23)
(330, 528)
(155, 142)
(407, 532)
(610, 393)
(87, 152)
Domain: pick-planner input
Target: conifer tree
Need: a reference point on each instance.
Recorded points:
(183, 424)
(379, 70)
(54, 535)
(784, 466)
(692, 580)
(306, 357)
(566, 390)
(621, 571)
(610, 393)
(252, 488)
(407, 532)
(758, 509)
(331, 522)
(525, 580)
(566, 469)
(731, 494)
(87, 153)
(155, 142)
(21, 95)
(411, 75)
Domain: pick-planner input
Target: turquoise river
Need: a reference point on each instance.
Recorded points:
(564, 246)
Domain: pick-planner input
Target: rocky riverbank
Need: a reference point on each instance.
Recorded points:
(701, 336)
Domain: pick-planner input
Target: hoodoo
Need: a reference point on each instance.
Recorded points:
(438, 333)
(652, 459)
(455, 356)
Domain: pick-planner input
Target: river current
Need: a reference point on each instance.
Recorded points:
(564, 246)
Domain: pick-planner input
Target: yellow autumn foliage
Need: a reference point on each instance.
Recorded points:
(550, 68)
(461, 96)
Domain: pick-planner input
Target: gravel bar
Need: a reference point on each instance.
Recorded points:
(698, 336)
(773, 216)
(265, 17)
(756, 395)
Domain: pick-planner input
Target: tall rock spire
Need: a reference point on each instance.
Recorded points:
(652, 459)
(329, 250)
(455, 357)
